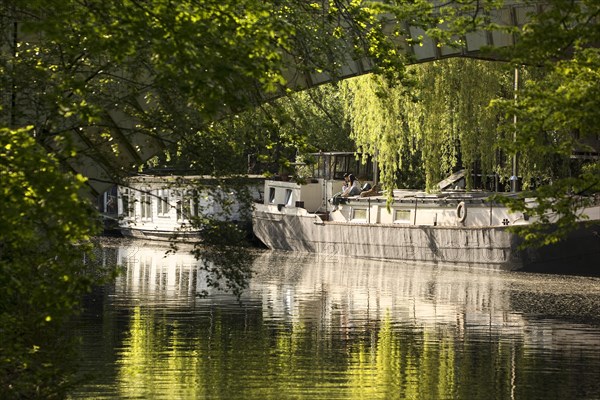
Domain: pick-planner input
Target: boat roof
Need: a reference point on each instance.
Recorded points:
(150, 178)
(333, 153)
(408, 195)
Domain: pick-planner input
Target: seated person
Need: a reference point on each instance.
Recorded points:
(354, 189)
(335, 200)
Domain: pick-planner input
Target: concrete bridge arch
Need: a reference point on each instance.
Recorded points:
(478, 44)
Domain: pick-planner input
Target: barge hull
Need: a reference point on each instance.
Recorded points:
(483, 247)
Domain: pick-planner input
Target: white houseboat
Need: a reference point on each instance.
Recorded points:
(450, 227)
(161, 207)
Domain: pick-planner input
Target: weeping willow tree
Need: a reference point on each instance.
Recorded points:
(438, 124)
(378, 116)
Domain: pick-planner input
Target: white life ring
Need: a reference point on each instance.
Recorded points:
(461, 212)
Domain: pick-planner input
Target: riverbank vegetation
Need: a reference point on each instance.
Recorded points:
(45, 230)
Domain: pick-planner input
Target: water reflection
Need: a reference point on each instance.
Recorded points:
(150, 271)
(323, 327)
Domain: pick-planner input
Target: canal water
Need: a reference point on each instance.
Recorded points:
(318, 327)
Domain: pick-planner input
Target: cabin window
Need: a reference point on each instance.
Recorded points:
(163, 206)
(288, 197)
(195, 203)
(110, 201)
(402, 216)
(272, 195)
(146, 205)
(180, 206)
(188, 205)
(359, 215)
(184, 208)
(128, 201)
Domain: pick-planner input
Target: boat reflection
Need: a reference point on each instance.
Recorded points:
(542, 311)
(150, 268)
(339, 293)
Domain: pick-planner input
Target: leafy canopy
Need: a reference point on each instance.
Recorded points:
(44, 225)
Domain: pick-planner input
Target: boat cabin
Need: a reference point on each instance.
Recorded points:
(451, 207)
(157, 207)
(324, 175)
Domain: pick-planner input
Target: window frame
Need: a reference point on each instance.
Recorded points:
(146, 205)
(163, 207)
(405, 212)
(355, 214)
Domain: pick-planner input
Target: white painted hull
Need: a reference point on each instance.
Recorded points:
(165, 235)
(492, 247)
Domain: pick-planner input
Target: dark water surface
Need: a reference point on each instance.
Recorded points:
(315, 327)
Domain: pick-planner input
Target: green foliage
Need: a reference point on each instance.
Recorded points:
(45, 228)
(557, 114)
(304, 122)
(438, 124)
(377, 114)
(455, 124)
(269, 136)
(556, 34)
(113, 74)
(117, 81)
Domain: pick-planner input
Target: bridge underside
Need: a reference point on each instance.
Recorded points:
(478, 44)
